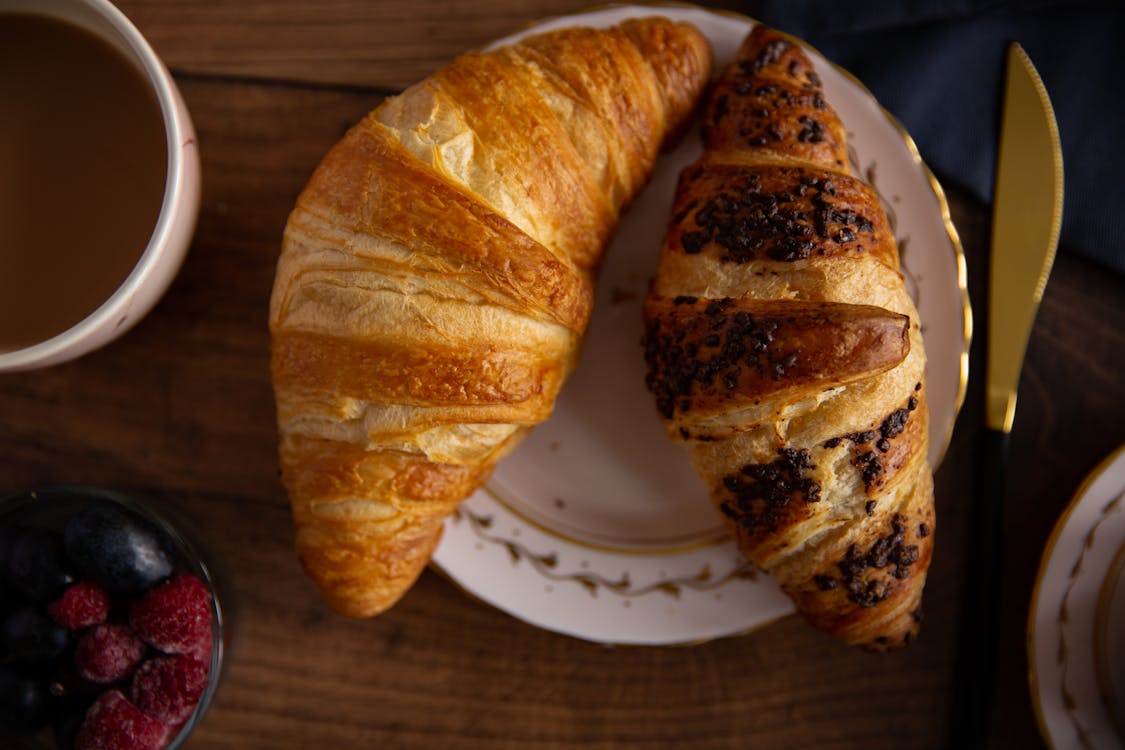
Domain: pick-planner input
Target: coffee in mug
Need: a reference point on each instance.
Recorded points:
(82, 168)
(99, 179)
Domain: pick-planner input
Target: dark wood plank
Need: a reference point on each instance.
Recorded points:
(181, 409)
(390, 44)
(1069, 417)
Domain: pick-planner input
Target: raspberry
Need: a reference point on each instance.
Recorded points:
(113, 723)
(175, 617)
(169, 687)
(108, 653)
(82, 605)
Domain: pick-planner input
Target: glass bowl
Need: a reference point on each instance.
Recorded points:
(50, 508)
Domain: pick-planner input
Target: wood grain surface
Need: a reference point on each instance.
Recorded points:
(181, 409)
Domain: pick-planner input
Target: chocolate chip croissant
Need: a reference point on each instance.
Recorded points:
(784, 351)
(436, 277)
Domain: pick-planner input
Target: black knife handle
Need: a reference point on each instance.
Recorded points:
(976, 642)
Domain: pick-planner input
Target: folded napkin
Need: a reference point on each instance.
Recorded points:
(938, 65)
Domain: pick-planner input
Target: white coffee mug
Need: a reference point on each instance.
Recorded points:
(175, 224)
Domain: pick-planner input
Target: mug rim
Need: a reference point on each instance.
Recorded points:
(83, 336)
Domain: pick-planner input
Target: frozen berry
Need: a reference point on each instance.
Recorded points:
(122, 552)
(113, 723)
(23, 701)
(108, 653)
(37, 565)
(82, 605)
(169, 687)
(30, 637)
(175, 617)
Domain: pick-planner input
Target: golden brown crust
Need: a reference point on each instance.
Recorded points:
(451, 232)
(708, 356)
(772, 98)
(543, 163)
(389, 372)
(436, 277)
(785, 352)
(783, 213)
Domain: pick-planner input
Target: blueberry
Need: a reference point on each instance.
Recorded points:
(30, 637)
(37, 566)
(120, 551)
(24, 701)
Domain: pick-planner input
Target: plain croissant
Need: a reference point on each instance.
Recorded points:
(436, 278)
(784, 351)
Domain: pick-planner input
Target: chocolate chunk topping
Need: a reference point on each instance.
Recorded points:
(761, 492)
(720, 108)
(771, 113)
(693, 242)
(868, 461)
(748, 222)
(870, 466)
(895, 423)
(726, 348)
(717, 307)
(858, 569)
(812, 131)
(768, 55)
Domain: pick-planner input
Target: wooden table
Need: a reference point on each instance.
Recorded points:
(181, 409)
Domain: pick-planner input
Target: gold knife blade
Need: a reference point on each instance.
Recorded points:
(1026, 219)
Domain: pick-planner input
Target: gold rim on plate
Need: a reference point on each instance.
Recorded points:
(704, 539)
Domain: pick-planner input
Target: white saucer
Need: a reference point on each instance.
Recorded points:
(1076, 650)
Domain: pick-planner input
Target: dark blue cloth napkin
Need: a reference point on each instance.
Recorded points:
(937, 65)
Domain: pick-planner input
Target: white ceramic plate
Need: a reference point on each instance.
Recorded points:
(1075, 649)
(596, 526)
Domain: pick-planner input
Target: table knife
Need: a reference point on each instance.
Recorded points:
(1026, 217)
